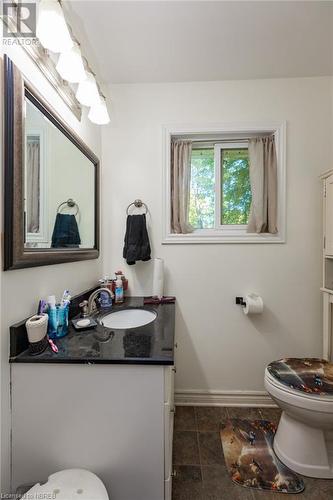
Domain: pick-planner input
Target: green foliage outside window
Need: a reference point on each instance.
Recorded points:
(202, 192)
(235, 192)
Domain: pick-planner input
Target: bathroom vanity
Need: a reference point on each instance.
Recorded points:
(104, 402)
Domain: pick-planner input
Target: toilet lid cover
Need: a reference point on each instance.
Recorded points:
(70, 484)
(310, 375)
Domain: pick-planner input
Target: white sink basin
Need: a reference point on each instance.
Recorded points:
(128, 318)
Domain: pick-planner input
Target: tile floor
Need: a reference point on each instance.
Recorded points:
(199, 464)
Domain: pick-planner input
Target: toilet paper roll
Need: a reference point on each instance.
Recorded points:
(37, 327)
(158, 278)
(254, 304)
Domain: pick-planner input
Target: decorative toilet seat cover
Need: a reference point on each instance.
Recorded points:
(309, 375)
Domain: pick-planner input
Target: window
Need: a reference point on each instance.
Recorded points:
(202, 189)
(220, 191)
(35, 182)
(235, 190)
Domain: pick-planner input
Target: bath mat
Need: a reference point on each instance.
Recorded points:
(250, 459)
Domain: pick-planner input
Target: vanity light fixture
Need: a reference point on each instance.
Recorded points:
(55, 35)
(70, 65)
(52, 29)
(99, 113)
(87, 91)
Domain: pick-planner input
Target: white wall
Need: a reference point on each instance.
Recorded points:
(219, 348)
(21, 289)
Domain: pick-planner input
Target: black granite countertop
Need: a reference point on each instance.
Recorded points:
(148, 344)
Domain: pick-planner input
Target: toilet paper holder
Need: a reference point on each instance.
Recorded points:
(240, 301)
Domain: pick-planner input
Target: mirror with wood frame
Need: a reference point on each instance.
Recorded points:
(51, 183)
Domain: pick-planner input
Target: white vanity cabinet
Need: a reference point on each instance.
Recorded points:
(115, 420)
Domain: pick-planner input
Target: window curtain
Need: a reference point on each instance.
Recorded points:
(32, 173)
(180, 185)
(263, 179)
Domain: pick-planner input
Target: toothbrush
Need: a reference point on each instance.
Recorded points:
(65, 298)
(41, 306)
(52, 345)
(66, 301)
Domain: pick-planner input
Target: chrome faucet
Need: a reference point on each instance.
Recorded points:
(91, 301)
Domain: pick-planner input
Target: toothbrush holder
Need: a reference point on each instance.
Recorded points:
(58, 321)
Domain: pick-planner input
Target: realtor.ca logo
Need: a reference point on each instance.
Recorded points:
(20, 20)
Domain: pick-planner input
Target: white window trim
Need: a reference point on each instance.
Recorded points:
(225, 234)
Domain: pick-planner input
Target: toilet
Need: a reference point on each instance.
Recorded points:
(70, 484)
(303, 389)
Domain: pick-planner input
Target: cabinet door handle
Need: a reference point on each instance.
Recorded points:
(174, 473)
(174, 369)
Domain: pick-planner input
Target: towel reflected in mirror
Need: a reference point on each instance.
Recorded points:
(66, 232)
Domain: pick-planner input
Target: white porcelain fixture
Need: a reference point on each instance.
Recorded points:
(52, 29)
(87, 91)
(128, 318)
(304, 438)
(98, 113)
(70, 483)
(70, 65)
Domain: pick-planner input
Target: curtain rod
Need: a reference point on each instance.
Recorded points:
(243, 139)
(240, 139)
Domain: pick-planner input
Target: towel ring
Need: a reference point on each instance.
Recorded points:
(71, 204)
(137, 204)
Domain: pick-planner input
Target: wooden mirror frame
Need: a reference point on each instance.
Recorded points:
(16, 256)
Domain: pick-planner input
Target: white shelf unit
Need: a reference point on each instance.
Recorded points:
(327, 282)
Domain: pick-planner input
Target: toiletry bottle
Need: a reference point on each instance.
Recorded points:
(52, 313)
(105, 299)
(108, 283)
(120, 274)
(119, 292)
(125, 282)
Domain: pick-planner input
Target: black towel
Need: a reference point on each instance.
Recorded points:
(66, 232)
(136, 244)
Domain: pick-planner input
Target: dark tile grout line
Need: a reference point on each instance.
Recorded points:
(198, 442)
(199, 447)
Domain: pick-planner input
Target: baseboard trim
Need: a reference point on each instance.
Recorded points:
(223, 398)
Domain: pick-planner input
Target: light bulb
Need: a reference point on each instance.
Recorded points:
(99, 113)
(87, 91)
(70, 65)
(52, 29)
